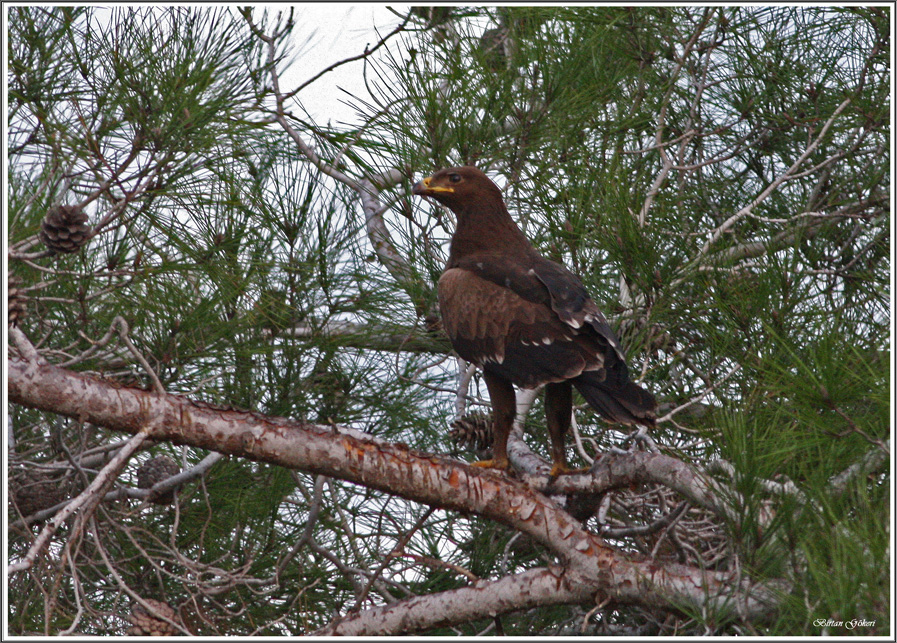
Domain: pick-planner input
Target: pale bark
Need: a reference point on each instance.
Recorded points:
(532, 588)
(430, 479)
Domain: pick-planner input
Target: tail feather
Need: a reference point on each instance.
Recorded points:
(627, 403)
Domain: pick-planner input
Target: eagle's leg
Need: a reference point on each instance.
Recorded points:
(504, 408)
(558, 409)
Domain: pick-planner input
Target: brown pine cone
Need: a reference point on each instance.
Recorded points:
(154, 471)
(145, 624)
(473, 431)
(16, 300)
(64, 229)
(492, 48)
(33, 491)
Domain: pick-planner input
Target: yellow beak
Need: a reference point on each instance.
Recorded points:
(423, 187)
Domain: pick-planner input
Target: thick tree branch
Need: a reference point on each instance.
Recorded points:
(395, 468)
(615, 470)
(872, 461)
(532, 588)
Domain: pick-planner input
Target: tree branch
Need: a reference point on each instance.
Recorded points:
(872, 461)
(368, 189)
(788, 174)
(88, 498)
(615, 470)
(532, 588)
(421, 477)
(367, 52)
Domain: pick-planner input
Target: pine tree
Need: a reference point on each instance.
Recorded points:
(215, 282)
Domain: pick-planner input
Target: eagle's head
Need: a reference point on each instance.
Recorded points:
(459, 187)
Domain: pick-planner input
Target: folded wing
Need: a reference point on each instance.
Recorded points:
(532, 322)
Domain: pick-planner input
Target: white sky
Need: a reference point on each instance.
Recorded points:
(326, 33)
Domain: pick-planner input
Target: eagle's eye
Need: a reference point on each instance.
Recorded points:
(454, 178)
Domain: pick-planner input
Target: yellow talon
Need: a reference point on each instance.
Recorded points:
(561, 469)
(502, 465)
(558, 470)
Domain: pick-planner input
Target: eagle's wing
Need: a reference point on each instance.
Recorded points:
(607, 388)
(532, 322)
(510, 327)
(572, 304)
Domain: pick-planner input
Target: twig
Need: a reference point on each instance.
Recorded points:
(95, 531)
(313, 510)
(433, 562)
(403, 541)
(707, 391)
(123, 333)
(577, 440)
(659, 180)
(367, 52)
(646, 530)
(465, 374)
(87, 498)
(26, 348)
(731, 221)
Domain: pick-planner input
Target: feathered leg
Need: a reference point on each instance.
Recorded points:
(558, 408)
(504, 407)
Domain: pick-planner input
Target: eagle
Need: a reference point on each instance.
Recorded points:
(525, 320)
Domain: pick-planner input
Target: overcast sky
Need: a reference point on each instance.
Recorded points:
(326, 33)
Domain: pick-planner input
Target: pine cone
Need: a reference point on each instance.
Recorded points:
(154, 471)
(16, 300)
(33, 491)
(64, 229)
(492, 48)
(473, 431)
(145, 624)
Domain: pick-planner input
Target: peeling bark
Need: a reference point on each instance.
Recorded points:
(395, 468)
(615, 470)
(533, 588)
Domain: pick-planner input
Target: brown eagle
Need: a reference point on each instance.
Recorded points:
(525, 320)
